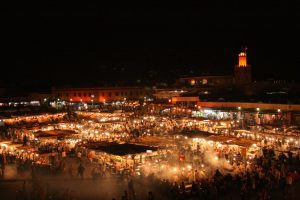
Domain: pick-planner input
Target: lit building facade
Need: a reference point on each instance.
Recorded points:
(206, 81)
(101, 94)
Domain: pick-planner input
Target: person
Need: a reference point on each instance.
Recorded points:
(194, 188)
(295, 176)
(290, 157)
(24, 192)
(25, 140)
(2, 164)
(182, 187)
(243, 192)
(150, 196)
(71, 171)
(131, 189)
(125, 196)
(81, 170)
(289, 182)
(95, 174)
(66, 194)
(196, 176)
(217, 175)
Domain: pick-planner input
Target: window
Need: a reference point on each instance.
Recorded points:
(103, 94)
(121, 93)
(74, 95)
(90, 95)
(84, 94)
(117, 93)
(67, 94)
(79, 94)
(109, 94)
(193, 82)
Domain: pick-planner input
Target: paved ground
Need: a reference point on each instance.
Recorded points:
(104, 189)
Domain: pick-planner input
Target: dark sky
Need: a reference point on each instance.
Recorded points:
(60, 43)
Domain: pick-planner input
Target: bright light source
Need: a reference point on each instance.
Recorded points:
(278, 110)
(257, 109)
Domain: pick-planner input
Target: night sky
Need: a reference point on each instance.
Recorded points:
(57, 44)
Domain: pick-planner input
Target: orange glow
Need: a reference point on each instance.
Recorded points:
(243, 59)
(193, 82)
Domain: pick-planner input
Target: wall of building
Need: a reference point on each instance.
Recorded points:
(217, 81)
(98, 94)
(242, 75)
(266, 106)
(184, 99)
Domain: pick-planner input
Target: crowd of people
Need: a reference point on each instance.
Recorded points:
(185, 167)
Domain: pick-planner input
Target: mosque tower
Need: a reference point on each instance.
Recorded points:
(242, 71)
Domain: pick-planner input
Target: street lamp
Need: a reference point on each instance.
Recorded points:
(92, 100)
(240, 117)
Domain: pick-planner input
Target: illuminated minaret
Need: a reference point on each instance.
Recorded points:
(242, 71)
(243, 58)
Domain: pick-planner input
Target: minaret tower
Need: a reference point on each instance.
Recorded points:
(242, 71)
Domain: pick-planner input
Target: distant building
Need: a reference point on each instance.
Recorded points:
(242, 76)
(211, 86)
(206, 81)
(98, 94)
